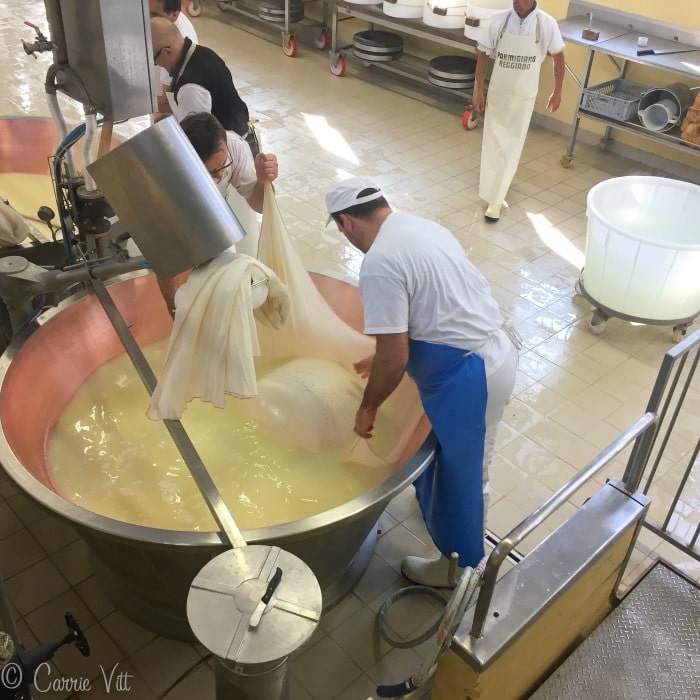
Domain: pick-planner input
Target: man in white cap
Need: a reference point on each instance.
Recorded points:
(433, 316)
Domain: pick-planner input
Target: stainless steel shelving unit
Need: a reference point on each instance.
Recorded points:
(617, 40)
(251, 10)
(410, 67)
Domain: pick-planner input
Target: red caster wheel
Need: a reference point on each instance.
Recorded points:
(322, 40)
(289, 47)
(470, 119)
(193, 8)
(338, 67)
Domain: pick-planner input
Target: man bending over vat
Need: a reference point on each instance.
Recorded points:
(230, 163)
(433, 316)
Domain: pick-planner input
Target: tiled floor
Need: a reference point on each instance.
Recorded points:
(574, 394)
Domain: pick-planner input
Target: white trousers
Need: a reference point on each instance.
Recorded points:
(500, 386)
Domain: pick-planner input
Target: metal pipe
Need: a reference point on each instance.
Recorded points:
(56, 31)
(88, 146)
(67, 278)
(201, 476)
(537, 517)
(57, 116)
(60, 61)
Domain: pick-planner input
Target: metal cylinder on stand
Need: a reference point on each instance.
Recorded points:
(252, 608)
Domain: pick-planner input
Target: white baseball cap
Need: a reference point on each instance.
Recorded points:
(346, 194)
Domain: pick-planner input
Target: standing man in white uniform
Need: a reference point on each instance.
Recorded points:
(433, 316)
(518, 40)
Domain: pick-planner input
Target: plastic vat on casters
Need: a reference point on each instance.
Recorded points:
(643, 248)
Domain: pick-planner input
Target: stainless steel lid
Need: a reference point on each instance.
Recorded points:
(228, 613)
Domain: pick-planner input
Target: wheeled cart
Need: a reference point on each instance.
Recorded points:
(615, 36)
(288, 14)
(601, 314)
(411, 67)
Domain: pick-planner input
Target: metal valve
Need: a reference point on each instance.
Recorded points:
(41, 44)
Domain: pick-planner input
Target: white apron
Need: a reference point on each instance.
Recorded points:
(510, 101)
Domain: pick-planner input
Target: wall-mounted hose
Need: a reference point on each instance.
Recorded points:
(445, 628)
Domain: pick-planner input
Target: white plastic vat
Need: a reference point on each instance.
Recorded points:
(643, 248)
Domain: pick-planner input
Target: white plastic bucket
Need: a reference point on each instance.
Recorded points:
(445, 14)
(643, 248)
(403, 9)
(481, 12)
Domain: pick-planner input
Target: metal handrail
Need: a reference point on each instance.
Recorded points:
(643, 431)
(676, 358)
(678, 372)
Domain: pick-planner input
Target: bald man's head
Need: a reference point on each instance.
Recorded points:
(167, 42)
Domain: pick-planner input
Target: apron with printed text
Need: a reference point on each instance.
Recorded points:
(452, 387)
(510, 101)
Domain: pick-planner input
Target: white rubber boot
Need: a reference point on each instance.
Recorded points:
(492, 213)
(431, 572)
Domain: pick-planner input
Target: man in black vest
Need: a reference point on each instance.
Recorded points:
(201, 81)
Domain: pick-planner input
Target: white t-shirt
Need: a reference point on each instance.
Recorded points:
(241, 173)
(191, 98)
(186, 28)
(417, 278)
(550, 36)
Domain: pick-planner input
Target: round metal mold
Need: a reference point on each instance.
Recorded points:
(453, 72)
(377, 46)
(452, 67)
(274, 10)
(377, 42)
(452, 84)
(376, 58)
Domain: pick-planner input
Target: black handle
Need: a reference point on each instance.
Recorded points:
(398, 690)
(274, 582)
(645, 52)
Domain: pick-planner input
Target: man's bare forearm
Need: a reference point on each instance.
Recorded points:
(388, 368)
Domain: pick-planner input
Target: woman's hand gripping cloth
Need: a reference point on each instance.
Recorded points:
(214, 337)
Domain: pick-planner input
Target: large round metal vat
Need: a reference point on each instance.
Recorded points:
(146, 571)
